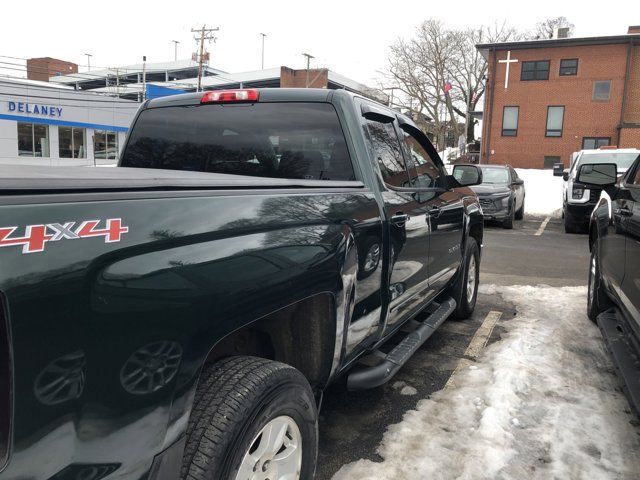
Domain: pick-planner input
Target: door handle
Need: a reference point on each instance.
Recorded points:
(624, 211)
(434, 211)
(399, 219)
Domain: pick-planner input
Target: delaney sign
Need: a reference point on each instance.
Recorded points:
(35, 109)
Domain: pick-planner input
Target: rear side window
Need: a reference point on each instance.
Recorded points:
(385, 148)
(423, 173)
(279, 140)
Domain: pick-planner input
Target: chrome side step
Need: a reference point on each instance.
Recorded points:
(619, 340)
(384, 371)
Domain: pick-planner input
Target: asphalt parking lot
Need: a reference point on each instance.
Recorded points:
(536, 251)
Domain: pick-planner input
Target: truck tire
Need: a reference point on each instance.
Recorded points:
(251, 415)
(570, 225)
(465, 289)
(597, 298)
(520, 213)
(507, 223)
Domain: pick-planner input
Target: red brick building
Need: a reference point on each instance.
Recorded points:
(45, 67)
(560, 96)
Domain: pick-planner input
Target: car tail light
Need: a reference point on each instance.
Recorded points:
(5, 385)
(230, 96)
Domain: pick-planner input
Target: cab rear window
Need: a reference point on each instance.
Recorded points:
(279, 140)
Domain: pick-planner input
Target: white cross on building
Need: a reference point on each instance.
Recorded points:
(507, 61)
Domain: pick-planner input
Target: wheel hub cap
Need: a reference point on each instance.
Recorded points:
(275, 453)
(471, 279)
(592, 278)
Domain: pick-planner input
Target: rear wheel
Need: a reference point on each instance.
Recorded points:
(465, 289)
(597, 299)
(252, 419)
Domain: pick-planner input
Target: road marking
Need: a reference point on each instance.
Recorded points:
(478, 342)
(543, 225)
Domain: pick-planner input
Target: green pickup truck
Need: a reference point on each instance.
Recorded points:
(180, 315)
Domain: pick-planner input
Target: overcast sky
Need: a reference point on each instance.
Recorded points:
(350, 37)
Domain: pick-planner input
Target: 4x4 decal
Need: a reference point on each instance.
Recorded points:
(36, 237)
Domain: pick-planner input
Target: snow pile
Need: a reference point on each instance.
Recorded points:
(543, 192)
(541, 403)
(452, 152)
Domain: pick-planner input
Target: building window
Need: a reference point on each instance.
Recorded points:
(555, 118)
(568, 66)
(510, 121)
(593, 143)
(538, 70)
(72, 142)
(105, 145)
(33, 140)
(602, 90)
(550, 161)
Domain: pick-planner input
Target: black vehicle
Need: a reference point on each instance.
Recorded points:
(179, 317)
(578, 200)
(501, 194)
(614, 273)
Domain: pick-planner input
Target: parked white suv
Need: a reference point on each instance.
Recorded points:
(578, 200)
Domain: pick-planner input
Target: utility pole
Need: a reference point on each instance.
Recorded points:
(205, 34)
(88, 61)
(175, 49)
(263, 35)
(309, 57)
(144, 77)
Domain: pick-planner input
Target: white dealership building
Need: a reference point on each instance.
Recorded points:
(43, 123)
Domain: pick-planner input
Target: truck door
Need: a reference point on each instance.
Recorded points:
(631, 226)
(406, 246)
(445, 211)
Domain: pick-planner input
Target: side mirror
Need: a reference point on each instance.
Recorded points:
(598, 174)
(467, 175)
(557, 169)
(565, 174)
(519, 181)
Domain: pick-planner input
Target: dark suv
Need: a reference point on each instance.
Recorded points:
(614, 273)
(501, 194)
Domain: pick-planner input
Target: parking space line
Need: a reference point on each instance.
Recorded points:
(543, 225)
(478, 342)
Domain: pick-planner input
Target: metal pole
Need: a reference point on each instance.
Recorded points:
(200, 59)
(175, 49)
(144, 77)
(263, 35)
(88, 61)
(309, 57)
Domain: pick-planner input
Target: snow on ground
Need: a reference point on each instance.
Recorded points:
(543, 192)
(543, 402)
(444, 154)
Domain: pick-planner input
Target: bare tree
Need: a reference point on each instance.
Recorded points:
(544, 30)
(467, 68)
(417, 69)
(421, 66)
